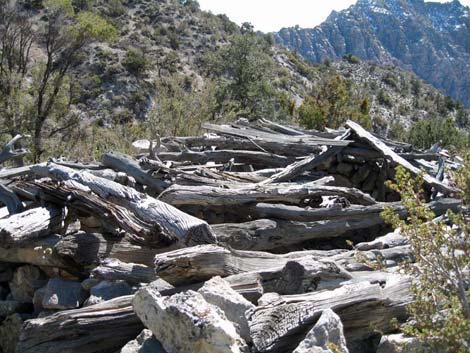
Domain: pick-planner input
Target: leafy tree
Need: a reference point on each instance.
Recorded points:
(64, 34)
(180, 108)
(440, 274)
(247, 70)
(332, 105)
(427, 132)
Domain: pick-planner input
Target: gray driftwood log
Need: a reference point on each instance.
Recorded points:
(280, 325)
(102, 327)
(173, 224)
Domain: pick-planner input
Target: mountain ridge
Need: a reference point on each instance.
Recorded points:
(431, 39)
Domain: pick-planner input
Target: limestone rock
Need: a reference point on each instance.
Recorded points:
(60, 294)
(26, 280)
(399, 343)
(389, 240)
(144, 343)
(203, 327)
(326, 334)
(106, 290)
(218, 292)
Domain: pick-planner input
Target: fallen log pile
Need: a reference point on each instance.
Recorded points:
(235, 241)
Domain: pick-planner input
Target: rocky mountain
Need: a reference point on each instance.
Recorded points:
(431, 39)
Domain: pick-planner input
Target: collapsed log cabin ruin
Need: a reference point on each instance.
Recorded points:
(234, 241)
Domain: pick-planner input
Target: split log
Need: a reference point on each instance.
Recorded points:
(362, 307)
(104, 327)
(389, 153)
(131, 167)
(292, 193)
(255, 158)
(30, 225)
(175, 225)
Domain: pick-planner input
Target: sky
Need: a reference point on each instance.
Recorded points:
(272, 15)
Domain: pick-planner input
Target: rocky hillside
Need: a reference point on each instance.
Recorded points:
(431, 39)
(171, 66)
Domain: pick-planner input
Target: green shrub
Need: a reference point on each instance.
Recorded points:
(441, 250)
(135, 61)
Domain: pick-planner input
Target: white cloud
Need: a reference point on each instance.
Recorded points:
(272, 15)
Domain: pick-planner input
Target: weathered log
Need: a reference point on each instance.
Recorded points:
(15, 172)
(30, 225)
(9, 152)
(299, 167)
(200, 263)
(266, 234)
(293, 193)
(362, 307)
(255, 158)
(112, 215)
(175, 225)
(104, 327)
(235, 143)
(128, 165)
(114, 270)
(301, 214)
(257, 134)
(389, 153)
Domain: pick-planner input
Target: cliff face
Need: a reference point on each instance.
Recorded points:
(431, 39)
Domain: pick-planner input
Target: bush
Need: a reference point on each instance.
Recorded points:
(441, 249)
(427, 132)
(135, 61)
(351, 58)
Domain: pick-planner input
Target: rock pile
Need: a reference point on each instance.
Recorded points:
(235, 241)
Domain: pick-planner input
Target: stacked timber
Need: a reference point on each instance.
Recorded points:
(235, 241)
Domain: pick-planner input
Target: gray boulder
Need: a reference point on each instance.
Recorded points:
(61, 294)
(218, 292)
(187, 323)
(399, 343)
(325, 337)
